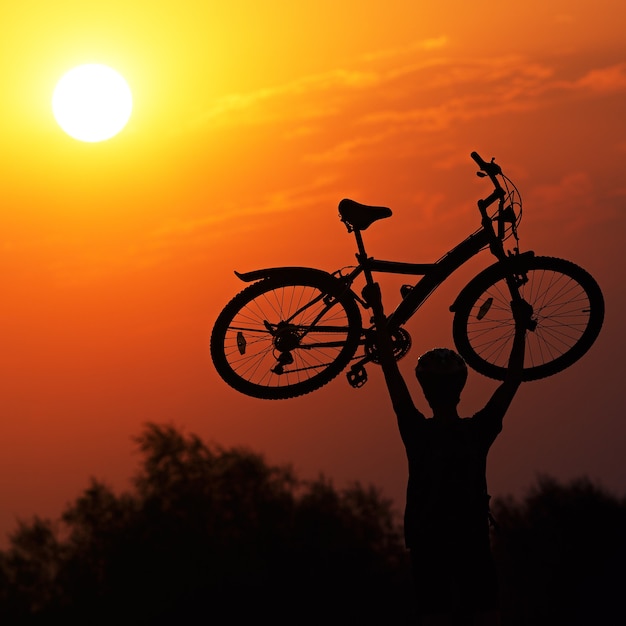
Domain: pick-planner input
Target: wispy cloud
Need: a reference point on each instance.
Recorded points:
(163, 244)
(332, 117)
(429, 44)
(604, 80)
(406, 90)
(240, 107)
(430, 92)
(366, 74)
(434, 99)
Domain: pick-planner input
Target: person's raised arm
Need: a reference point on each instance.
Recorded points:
(399, 393)
(503, 395)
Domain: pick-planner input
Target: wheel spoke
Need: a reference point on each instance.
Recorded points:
(567, 306)
(281, 338)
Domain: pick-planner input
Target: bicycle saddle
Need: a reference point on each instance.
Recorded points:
(360, 216)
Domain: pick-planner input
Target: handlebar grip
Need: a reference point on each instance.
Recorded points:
(490, 168)
(479, 160)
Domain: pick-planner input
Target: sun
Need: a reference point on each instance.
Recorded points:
(92, 102)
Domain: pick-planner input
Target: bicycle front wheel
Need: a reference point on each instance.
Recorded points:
(286, 335)
(568, 307)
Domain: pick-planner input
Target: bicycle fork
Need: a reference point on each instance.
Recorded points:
(515, 279)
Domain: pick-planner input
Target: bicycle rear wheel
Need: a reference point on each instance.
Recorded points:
(568, 307)
(286, 335)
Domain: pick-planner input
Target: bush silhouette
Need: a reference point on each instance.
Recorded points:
(561, 554)
(211, 534)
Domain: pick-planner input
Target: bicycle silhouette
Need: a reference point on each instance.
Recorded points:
(296, 328)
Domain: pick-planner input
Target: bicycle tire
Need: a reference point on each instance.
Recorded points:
(245, 353)
(568, 307)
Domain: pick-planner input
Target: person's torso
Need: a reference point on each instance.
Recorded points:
(447, 489)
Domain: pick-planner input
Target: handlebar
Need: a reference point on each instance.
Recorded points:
(492, 170)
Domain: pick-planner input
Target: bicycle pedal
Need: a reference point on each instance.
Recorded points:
(405, 290)
(357, 376)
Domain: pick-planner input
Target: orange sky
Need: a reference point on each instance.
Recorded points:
(251, 121)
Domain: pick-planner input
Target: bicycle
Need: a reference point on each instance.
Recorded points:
(294, 329)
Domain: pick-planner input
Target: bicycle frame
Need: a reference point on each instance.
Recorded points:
(433, 274)
(282, 336)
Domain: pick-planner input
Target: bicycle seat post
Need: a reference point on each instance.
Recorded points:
(361, 256)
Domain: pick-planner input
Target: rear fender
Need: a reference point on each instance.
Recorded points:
(284, 272)
(331, 283)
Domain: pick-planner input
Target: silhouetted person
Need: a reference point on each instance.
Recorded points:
(446, 522)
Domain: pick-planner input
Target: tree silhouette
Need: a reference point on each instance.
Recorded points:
(211, 534)
(561, 555)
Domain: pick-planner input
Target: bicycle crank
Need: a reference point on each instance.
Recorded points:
(400, 344)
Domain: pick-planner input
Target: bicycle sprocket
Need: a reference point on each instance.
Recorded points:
(400, 344)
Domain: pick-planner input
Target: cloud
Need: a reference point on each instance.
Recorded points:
(604, 80)
(410, 92)
(194, 235)
(572, 204)
(381, 105)
(403, 94)
(235, 106)
(238, 106)
(345, 150)
(432, 98)
(429, 44)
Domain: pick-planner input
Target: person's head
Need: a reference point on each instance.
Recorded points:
(442, 374)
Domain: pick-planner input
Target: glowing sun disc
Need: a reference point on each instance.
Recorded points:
(92, 102)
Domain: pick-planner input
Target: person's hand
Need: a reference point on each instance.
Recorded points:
(522, 314)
